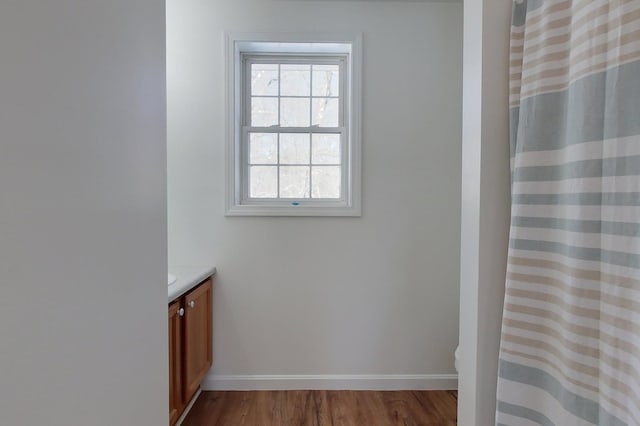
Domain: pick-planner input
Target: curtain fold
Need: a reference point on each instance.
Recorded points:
(570, 346)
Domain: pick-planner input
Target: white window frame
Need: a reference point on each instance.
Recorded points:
(241, 47)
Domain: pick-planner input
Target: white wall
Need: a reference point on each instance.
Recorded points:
(83, 317)
(372, 295)
(485, 206)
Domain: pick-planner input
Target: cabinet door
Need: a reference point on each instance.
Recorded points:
(175, 359)
(197, 337)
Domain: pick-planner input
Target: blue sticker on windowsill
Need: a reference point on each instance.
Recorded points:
(295, 203)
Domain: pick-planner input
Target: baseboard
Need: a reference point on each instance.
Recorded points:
(332, 382)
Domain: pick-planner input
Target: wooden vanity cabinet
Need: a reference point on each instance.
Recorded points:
(176, 404)
(197, 338)
(190, 345)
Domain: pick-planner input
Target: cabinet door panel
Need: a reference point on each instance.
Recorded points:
(175, 360)
(197, 337)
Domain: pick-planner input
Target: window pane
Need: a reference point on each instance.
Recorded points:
(295, 80)
(294, 112)
(263, 148)
(263, 182)
(326, 80)
(264, 112)
(294, 182)
(326, 182)
(264, 79)
(326, 112)
(325, 149)
(294, 148)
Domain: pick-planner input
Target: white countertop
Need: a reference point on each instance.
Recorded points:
(187, 278)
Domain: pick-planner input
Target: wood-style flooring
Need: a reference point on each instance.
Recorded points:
(321, 408)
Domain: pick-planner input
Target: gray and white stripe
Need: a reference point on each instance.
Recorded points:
(570, 350)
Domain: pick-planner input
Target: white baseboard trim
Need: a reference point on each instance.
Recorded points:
(331, 382)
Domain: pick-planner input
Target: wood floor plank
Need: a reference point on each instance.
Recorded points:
(321, 408)
(298, 408)
(397, 408)
(324, 408)
(209, 406)
(441, 405)
(267, 408)
(243, 404)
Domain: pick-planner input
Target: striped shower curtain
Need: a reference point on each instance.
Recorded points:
(570, 349)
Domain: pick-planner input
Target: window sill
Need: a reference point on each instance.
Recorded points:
(255, 210)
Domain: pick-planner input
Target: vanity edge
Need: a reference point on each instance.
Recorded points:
(188, 277)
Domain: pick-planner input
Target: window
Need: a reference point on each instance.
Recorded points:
(293, 131)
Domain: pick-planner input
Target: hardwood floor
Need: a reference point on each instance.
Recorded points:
(320, 408)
